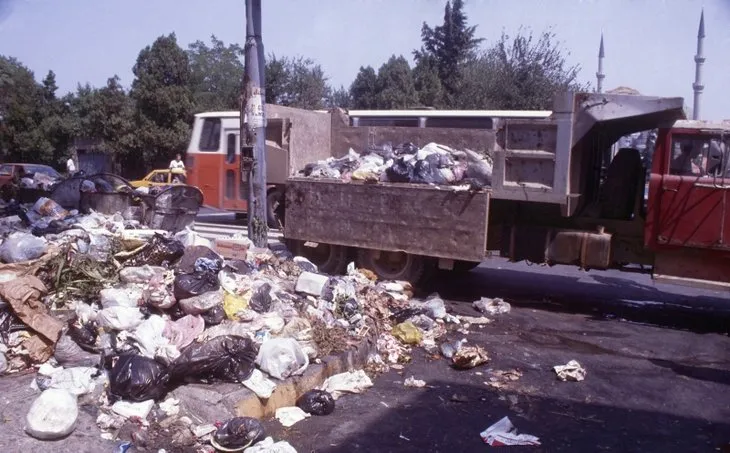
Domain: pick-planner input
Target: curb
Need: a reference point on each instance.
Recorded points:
(210, 403)
(287, 392)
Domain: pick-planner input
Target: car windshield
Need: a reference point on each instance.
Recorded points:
(6, 170)
(32, 169)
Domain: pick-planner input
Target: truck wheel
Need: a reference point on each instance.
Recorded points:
(275, 209)
(392, 265)
(330, 259)
(463, 267)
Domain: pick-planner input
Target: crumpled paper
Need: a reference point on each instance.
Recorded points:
(572, 371)
(24, 296)
(504, 433)
(348, 382)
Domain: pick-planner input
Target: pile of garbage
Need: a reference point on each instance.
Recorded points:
(433, 164)
(40, 181)
(105, 308)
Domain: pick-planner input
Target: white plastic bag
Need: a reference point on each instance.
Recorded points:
(20, 247)
(120, 318)
(349, 382)
(202, 303)
(142, 274)
(52, 415)
(282, 357)
(122, 296)
(190, 238)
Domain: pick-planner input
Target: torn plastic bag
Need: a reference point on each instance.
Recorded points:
(239, 267)
(425, 172)
(190, 238)
(227, 359)
(83, 334)
(19, 247)
(203, 303)
(184, 331)
(122, 296)
(120, 318)
(238, 433)
(317, 402)
(100, 247)
(186, 265)
(282, 357)
(158, 252)
(195, 284)
(141, 274)
(137, 378)
(53, 227)
(261, 299)
(478, 169)
(158, 294)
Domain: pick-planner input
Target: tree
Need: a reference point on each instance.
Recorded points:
(427, 83)
(449, 45)
(340, 98)
(364, 90)
(22, 137)
(522, 73)
(164, 101)
(216, 74)
(296, 82)
(395, 87)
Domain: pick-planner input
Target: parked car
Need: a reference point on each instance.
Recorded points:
(158, 178)
(8, 171)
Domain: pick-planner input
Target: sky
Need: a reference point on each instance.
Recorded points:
(650, 44)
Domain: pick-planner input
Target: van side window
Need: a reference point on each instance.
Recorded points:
(231, 148)
(210, 135)
(698, 156)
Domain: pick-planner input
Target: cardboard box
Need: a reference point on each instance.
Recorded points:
(232, 249)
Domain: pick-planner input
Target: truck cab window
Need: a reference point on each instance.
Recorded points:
(210, 135)
(698, 156)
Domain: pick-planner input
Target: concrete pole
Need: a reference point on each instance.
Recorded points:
(600, 75)
(253, 127)
(697, 86)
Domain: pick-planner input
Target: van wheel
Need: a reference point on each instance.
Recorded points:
(275, 209)
(393, 265)
(330, 259)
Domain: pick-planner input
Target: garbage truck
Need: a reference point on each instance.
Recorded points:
(552, 198)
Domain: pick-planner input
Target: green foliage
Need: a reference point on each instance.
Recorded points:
(340, 98)
(164, 101)
(395, 86)
(296, 82)
(216, 74)
(427, 82)
(364, 90)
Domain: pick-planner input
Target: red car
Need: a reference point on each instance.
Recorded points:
(8, 171)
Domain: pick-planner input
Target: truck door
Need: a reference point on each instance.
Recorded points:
(232, 199)
(694, 193)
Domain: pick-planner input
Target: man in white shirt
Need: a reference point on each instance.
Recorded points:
(70, 166)
(177, 163)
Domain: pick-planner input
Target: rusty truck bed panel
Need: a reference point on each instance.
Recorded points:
(418, 219)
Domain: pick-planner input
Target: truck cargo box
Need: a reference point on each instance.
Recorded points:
(416, 219)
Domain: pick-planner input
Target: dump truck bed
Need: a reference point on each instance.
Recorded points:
(412, 218)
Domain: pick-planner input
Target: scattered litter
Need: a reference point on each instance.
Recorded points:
(413, 382)
(238, 433)
(170, 406)
(481, 320)
(317, 402)
(407, 333)
(348, 382)
(494, 306)
(502, 378)
(282, 357)
(137, 410)
(572, 371)
(269, 446)
(448, 349)
(504, 433)
(262, 386)
(52, 415)
(468, 357)
(289, 416)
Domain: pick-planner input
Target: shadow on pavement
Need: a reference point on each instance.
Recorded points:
(605, 297)
(695, 372)
(434, 422)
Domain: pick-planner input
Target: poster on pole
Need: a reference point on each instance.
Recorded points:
(255, 109)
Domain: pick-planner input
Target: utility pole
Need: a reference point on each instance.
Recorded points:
(253, 127)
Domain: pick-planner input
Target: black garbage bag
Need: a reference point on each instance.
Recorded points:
(204, 264)
(214, 316)
(53, 227)
(400, 171)
(137, 378)
(261, 299)
(407, 313)
(424, 172)
(186, 265)
(159, 251)
(317, 402)
(239, 432)
(239, 267)
(195, 284)
(227, 358)
(406, 148)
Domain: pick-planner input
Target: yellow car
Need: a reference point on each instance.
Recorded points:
(161, 178)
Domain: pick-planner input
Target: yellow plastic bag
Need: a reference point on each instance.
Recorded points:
(234, 304)
(407, 333)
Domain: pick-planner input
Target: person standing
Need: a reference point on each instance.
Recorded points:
(177, 163)
(71, 165)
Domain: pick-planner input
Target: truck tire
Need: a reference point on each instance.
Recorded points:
(330, 259)
(275, 209)
(463, 267)
(393, 265)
